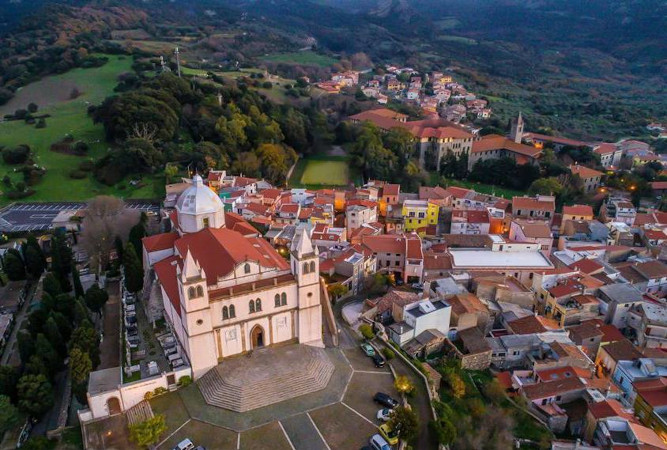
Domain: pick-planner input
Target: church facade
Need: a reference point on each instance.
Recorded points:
(225, 291)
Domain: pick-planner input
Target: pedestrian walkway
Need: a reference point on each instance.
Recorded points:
(109, 348)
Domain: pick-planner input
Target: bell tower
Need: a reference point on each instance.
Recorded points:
(516, 129)
(196, 316)
(305, 263)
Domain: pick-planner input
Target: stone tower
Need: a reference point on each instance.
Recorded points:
(305, 264)
(516, 131)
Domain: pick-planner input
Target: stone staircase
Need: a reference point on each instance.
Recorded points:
(138, 413)
(240, 393)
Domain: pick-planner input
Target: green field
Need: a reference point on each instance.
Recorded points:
(68, 117)
(335, 173)
(507, 193)
(305, 58)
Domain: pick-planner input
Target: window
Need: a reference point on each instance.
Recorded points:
(558, 397)
(516, 353)
(398, 263)
(422, 215)
(246, 268)
(191, 292)
(225, 313)
(276, 300)
(305, 268)
(200, 291)
(205, 222)
(232, 311)
(251, 306)
(312, 266)
(283, 299)
(258, 305)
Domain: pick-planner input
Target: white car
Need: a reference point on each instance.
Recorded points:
(384, 414)
(378, 443)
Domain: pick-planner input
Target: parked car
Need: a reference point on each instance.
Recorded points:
(417, 286)
(378, 443)
(378, 360)
(384, 414)
(390, 435)
(370, 351)
(185, 444)
(385, 400)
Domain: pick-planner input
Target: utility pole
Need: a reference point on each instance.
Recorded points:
(178, 61)
(162, 63)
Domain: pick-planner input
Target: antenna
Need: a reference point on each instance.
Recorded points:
(178, 61)
(162, 63)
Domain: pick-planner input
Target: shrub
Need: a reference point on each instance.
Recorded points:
(86, 166)
(148, 395)
(20, 114)
(185, 380)
(77, 174)
(17, 155)
(30, 120)
(81, 148)
(32, 107)
(159, 391)
(41, 123)
(267, 85)
(388, 354)
(366, 331)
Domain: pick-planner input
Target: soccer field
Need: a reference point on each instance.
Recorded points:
(331, 173)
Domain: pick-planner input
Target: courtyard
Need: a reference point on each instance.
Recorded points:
(340, 416)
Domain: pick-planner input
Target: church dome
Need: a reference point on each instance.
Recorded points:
(199, 207)
(198, 199)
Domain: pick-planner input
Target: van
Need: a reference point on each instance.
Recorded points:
(378, 443)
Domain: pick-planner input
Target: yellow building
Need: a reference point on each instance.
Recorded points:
(651, 405)
(418, 214)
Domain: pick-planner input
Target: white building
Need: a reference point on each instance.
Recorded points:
(225, 293)
(419, 317)
(358, 215)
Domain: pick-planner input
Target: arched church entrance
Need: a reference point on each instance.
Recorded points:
(113, 405)
(257, 337)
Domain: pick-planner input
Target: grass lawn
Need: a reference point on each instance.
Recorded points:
(305, 57)
(173, 408)
(326, 172)
(479, 187)
(69, 117)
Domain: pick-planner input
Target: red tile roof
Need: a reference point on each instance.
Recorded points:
(584, 172)
(497, 142)
(159, 242)
(528, 203)
(391, 189)
(553, 388)
(578, 210)
(166, 273)
(586, 265)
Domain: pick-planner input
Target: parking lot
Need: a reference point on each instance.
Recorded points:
(23, 217)
(345, 422)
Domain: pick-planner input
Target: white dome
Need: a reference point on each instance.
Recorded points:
(199, 199)
(199, 207)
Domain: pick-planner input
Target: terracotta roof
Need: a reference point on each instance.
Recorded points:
(414, 247)
(557, 373)
(608, 408)
(470, 216)
(652, 269)
(534, 228)
(392, 297)
(556, 139)
(568, 287)
(578, 210)
(432, 193)
(166, 273)
(553, 388)
(533, 203)
(458, 192)
(158, 242)
(497, 142)
(622, 350)
(605, 148)
(527, 325)
(219, 250)
(585, 330)
(466, 303)
(385, 243)
(437, 128)
(584, 172)
(391, 189)
(437, 261)
(655, 234)
(587, 265)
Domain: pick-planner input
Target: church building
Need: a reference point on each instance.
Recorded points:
(225, 291)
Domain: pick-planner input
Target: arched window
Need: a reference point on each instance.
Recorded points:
(191, 292)
(232, 311)
(200, 291)
(246, 268)
(312, 266)
(258, 305)
(225, 313)
(277, 300)
(251, 306)
(283, 299)
(305, 268)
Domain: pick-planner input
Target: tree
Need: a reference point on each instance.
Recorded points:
(404, 420)
(9, 376)
(337, 290)
(545, 186)
(148, 432)
(26, 346)
(35, 261)
(61, 261)
(80, 367)
(80, 312)
(46, 351)
(35, 394)
(444, 430)
(366, 331)
(86, 338)
(32, 108)
(55, 338)
(118, 244)
(51, 285)
(76, 281)
(456, 384)
(401, 142)
(13, 265)
(96, 298)
(9, 414)
(137, 233)
(275, 162)
(403, 384)
(134, 276)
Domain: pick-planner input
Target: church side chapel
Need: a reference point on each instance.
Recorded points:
(225, 290)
